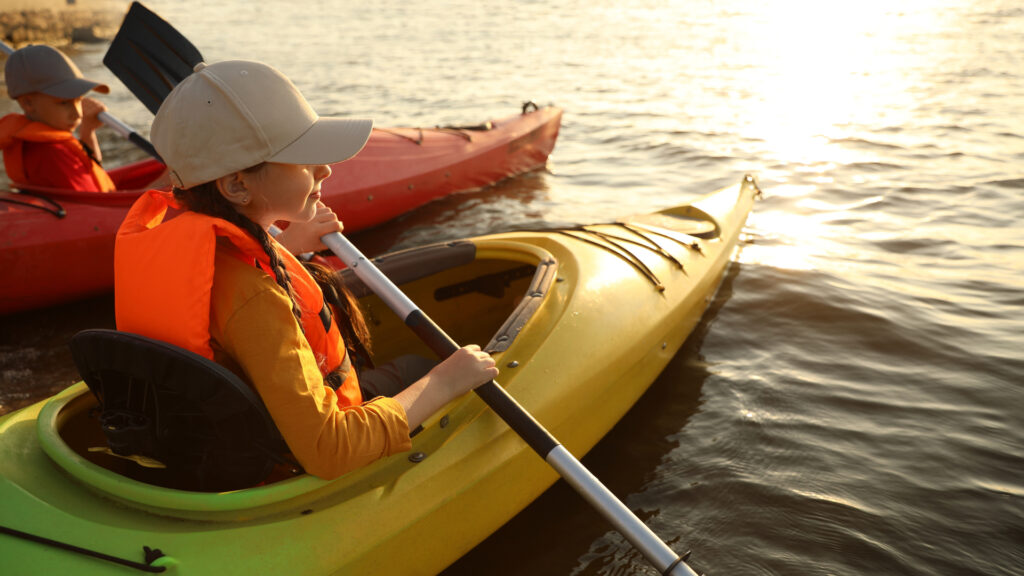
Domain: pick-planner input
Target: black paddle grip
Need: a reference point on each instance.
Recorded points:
(145, 146)
(496, 397)
(518, 419)
(431, 334)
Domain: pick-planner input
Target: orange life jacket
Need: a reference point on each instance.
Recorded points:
(163, 278)
(16, 129)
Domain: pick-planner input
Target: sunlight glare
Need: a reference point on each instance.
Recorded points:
(823, 66)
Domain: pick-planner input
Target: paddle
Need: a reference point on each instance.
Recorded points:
(154, 57)
(150, 56)
(124, 130)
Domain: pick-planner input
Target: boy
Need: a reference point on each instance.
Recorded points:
(39, 147)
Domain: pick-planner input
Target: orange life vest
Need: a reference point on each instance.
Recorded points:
(16, 129)
(163, 278)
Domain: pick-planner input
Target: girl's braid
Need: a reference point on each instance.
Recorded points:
(206, 199)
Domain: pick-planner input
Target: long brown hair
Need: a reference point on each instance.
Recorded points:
(207, 199)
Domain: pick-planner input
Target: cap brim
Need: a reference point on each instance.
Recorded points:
(327, 141)
(74, 88)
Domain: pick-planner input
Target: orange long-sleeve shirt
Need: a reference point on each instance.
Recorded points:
(255, 335)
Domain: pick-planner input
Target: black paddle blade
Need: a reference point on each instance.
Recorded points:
(149, 56)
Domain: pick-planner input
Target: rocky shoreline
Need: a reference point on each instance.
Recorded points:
(58, 27)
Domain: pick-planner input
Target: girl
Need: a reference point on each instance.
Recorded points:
(244, 149)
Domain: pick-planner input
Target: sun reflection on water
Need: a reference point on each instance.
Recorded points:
(799, 237)
(822, 68)
(782, 238)
(831, 85)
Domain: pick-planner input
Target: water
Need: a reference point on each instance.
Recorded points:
(853, 403)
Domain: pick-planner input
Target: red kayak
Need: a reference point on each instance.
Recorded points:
(58, 245)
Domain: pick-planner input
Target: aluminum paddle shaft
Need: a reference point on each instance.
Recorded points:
(568, 466)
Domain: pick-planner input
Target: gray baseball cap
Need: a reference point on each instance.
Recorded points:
(37, 68)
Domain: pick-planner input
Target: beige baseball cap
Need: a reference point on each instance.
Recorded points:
(39, 68)
(233, 115)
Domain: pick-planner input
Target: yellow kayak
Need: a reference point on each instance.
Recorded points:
(580, 321)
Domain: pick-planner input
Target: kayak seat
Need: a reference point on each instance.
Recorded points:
(192, 423)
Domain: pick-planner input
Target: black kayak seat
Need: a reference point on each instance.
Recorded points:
(207, 427)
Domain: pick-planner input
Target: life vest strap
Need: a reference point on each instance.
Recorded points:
(326, 316)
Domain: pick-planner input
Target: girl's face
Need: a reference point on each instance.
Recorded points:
(286, 192)
(59, 113)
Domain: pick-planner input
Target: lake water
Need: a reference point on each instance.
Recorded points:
(853, 402)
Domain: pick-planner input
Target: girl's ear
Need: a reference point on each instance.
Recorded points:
(232, 187)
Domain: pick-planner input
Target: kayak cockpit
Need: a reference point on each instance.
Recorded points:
(478, 292)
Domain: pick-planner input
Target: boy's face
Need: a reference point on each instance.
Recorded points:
(59, 113)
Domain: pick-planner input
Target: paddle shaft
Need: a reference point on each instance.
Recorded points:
(151, 57)
(123, 130)
(503, 404)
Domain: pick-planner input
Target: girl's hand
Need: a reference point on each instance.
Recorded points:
(461, 372)
(301, 237)
(467, 368)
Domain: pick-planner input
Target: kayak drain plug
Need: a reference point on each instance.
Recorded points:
(417, 457)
